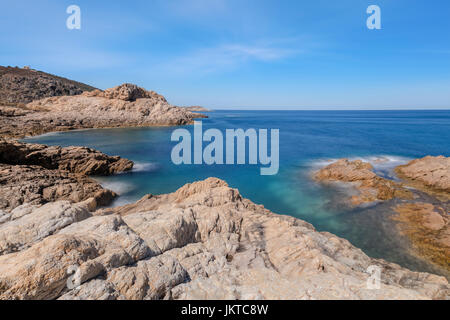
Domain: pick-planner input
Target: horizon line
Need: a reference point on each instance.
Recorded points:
(326, 109)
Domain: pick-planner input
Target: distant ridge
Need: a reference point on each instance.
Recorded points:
(19, 86)
(198, 109)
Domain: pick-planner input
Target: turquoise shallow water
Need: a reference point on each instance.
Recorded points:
(307, 140)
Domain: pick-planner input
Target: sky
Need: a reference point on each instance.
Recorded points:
(221, 54)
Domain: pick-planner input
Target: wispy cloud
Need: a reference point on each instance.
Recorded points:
(193, 8)
(228, 56)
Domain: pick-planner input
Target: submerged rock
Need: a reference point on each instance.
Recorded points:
(203, 241)
(428, 227)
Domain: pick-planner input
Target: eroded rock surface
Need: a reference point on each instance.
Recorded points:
(202, 242)
(73, 159)
(36, 185)
(38, 224)
(428, 174)
(359, 173)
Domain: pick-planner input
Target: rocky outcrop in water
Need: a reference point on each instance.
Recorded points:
(20, 184)
(202, 242)
(360, 174)
(427, 225)
(80, 160)
(35, 174)
(430, 174)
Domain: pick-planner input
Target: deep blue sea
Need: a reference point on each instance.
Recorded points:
(308, 139)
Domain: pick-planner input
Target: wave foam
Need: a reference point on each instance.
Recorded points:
(118, 186)
(145, 167)
(383, 165)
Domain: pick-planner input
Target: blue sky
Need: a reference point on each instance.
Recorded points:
(243, 53)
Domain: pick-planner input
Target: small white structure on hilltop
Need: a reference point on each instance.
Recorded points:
(28, 68)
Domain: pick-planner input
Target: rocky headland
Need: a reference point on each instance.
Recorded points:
(426, 224)
(126, 105)
(198, 109)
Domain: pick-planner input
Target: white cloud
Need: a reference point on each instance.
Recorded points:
(225, 57)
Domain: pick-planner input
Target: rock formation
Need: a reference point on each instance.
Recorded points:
(370, 186)
(37, 174)
(127, 92)
(73, 159)
(430, 174)
(119, 106)
(36, 185)
(427, 225)
(203, 241)
(123, 106)
(197, 108)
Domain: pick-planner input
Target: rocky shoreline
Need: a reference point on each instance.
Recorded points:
(37, 174)
(204, 241)
(34, 174)
(427, 225)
